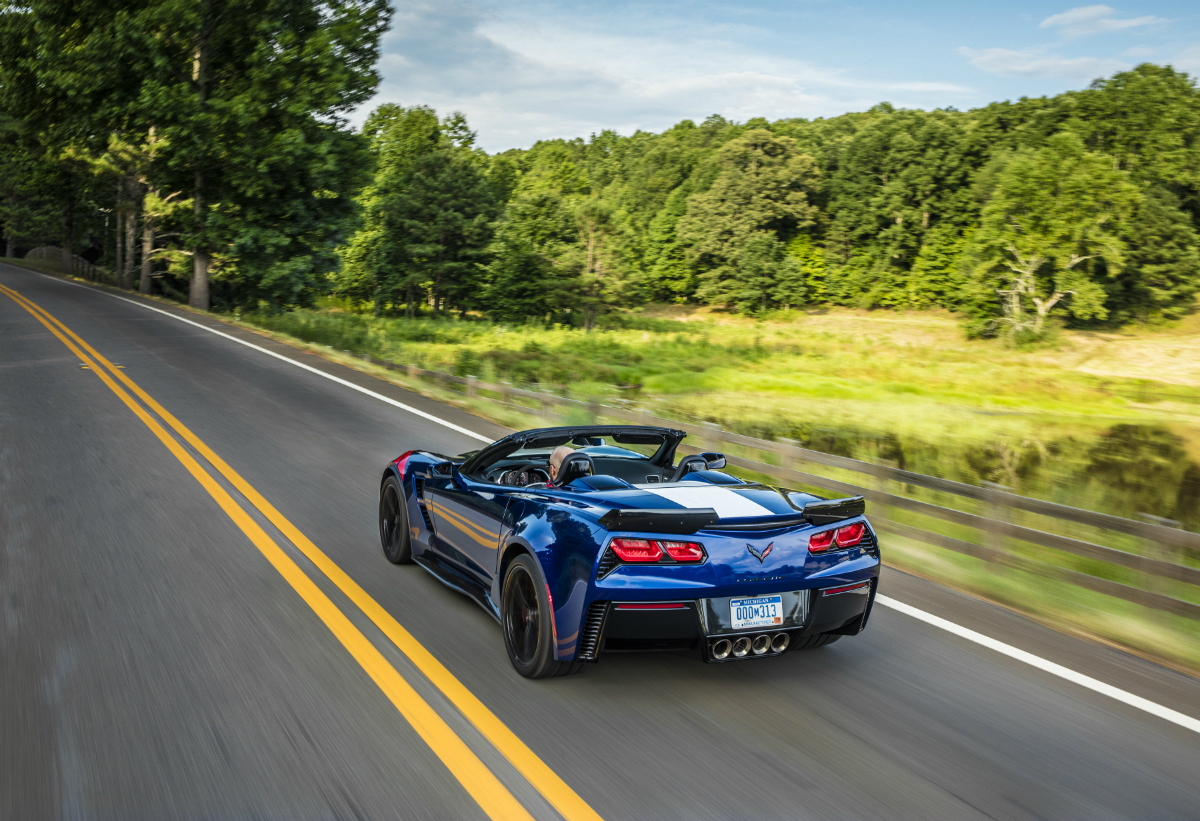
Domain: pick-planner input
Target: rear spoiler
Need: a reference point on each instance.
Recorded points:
(679, 520)
(834, 510)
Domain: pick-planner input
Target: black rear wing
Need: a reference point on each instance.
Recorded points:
(677, 521)
(834, 510)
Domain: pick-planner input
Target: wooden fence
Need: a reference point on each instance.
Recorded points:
(889, 490)
(79, 266)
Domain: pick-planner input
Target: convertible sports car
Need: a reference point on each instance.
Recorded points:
(587, 540)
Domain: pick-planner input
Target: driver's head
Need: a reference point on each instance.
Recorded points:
(556, 460)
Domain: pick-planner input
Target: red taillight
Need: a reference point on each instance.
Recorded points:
(850, 535)
(684, 551)
(820, 542)
(845, 537)
(636, 550)
(652, 550)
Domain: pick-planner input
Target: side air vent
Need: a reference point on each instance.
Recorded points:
(607, 562)
(419, 492)
(869, 544)
(593, 628)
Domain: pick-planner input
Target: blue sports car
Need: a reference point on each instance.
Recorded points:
(588, 540)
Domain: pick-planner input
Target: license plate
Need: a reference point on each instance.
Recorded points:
(761, 611)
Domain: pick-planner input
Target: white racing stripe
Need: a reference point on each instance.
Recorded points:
(1043, 665)
(727, 503)
(741, 506)
(308, 368)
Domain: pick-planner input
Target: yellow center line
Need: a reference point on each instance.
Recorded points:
(535, 771)
(479, 781)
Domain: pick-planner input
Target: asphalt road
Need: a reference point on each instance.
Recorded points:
(156, 665)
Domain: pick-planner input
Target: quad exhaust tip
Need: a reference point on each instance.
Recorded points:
(744, 646)
(722, 649)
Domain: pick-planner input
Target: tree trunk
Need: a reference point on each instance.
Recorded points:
(10, 244)
(147, 253)
(408, 301)
(198, 293)
(119, 228)
(68, 240)
(130, 234)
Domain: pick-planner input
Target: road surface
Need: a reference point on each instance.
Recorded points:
(161, 660)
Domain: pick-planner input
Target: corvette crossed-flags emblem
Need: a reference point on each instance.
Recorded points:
(760, 554)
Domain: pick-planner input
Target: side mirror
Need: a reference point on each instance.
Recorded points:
(716, 461)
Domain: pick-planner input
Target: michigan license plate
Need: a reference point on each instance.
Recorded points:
(761, 611)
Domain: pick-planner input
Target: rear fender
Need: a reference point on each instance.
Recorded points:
(565, 548)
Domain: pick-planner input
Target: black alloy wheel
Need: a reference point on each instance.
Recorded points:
(525, 619)
(393, 523)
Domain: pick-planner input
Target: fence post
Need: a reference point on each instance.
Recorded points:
(884, 484)
(1155, 550)
(471, 386)
(997, 514)
(412, 372)
(547, 405)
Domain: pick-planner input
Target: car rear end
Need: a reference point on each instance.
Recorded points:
(734, 589)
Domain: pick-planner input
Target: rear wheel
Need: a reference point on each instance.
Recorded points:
(393, 523)
(812, 642)
(525, 619)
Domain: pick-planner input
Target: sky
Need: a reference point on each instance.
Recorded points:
(527, 71)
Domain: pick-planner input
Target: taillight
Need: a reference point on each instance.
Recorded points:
(684, 551)
(636, 550)
(652, 550)
(850, 535)
(845, 537)
(820, 542)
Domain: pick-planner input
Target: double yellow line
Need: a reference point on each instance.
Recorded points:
(483, 786)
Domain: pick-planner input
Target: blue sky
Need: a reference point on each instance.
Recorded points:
(524, 71)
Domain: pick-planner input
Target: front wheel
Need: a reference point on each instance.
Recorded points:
(525, 619)
(393, 523)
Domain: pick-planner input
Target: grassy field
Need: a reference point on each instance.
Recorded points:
(818, 378)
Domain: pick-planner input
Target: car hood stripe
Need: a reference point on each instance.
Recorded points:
(727, 503)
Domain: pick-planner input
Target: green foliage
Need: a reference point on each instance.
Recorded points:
(1049, 234)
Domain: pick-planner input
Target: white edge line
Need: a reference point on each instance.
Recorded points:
(950, 627)
(1046, 666)
(280, 357)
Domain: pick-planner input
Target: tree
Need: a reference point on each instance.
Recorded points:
(1050, 231)
(763, 185)
(245, 97)
(1162, 272)
(531, 276)
(443, 219)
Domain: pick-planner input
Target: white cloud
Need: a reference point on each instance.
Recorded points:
(1084, 20)
(1036, 63)
(522, 77)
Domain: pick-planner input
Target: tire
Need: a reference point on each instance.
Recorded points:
(393, 523)
(813, 642)
(525, 621)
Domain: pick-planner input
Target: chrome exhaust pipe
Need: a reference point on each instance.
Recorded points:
(761, 644)
(780, 642)
(741, 647)
(721, 649)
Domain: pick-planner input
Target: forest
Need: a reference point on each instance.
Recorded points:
(210, 158)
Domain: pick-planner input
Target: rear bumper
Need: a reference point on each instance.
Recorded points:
(699, 624)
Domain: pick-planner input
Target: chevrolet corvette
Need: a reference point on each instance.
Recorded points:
(588, 540)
